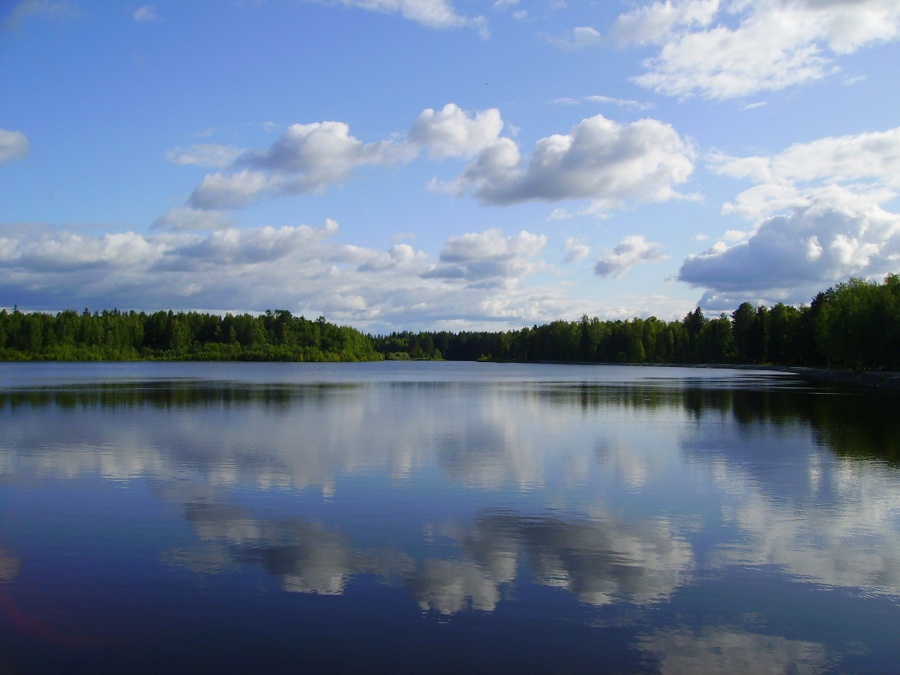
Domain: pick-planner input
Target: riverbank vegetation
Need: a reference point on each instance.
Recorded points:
(853, 325)
(185, 336)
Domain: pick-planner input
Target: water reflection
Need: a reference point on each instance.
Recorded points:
(716, 650)
(599, 561)
(464, 496)
(9, 565)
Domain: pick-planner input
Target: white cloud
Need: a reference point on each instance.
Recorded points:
(581, 37)
(63, 9)
(453, 132)
(633, 250)
(819, 218)
(230, 191)
(319, 154)
(13, 145)
(398, 257)
(654, 23)
(305, 158)
(145, 13)
(476, 282)
(67, 251)
(576, 250)
(439, 14)
(853, 173)
(872, 158)
(625, 103)
(488, 258)
(726, 49)
(186, 218)
(204, 154)
(790, 258)
(598, 159)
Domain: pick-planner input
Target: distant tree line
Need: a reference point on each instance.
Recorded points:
(854, 325)
(114, 335)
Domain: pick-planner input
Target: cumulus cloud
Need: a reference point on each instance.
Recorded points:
(721, 49)
(453, 132)
(819, 218)
(791, 257)
(576, 250)
(600, 160)
(853, 168)
(633, 250)
(305, 158)
(440, 14)
(230, 190)
(399, 256)
(477, 281)
(69, 251)
(488, 258)
(13, 145)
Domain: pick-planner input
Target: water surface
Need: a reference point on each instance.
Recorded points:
(444, 517)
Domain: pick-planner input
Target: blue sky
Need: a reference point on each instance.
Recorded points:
(446, 164)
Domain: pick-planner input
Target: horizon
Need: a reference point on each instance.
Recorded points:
(436, 165)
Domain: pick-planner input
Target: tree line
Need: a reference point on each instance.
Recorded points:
(115, 336)
(855, 325)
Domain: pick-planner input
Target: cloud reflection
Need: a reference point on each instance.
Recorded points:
(722, 650)
(600, 562)
(305, 556)
(569, 448)
(9, 565)
(820, 519)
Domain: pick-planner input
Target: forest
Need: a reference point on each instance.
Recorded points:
(852, 325)
(184, 336)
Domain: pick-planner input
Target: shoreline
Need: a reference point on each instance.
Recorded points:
(859, 379)
(868, 379)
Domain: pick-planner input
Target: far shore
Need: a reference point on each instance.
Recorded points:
(869, 379)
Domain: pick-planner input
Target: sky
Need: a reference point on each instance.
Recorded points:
(446, 164)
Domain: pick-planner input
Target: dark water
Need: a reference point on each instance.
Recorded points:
(444, 518)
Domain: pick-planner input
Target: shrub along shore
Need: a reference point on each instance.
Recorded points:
(853, 326)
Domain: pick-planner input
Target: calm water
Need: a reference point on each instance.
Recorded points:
(440, 517)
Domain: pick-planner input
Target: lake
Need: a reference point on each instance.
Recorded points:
(444, 517)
